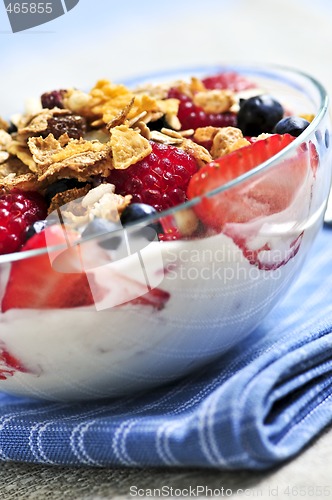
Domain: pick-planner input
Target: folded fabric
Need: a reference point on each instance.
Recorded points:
(253, 408)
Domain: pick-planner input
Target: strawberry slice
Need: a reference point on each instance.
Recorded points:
(156, 297)
(240, 211)
(9, 364)
(272, 254)
(266, 193)
(34, 284)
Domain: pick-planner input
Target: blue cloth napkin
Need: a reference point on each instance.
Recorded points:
(255, 407)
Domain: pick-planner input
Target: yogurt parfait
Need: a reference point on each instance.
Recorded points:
(147, 228)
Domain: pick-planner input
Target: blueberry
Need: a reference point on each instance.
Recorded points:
(139, 211)
(293, 125)
(60, 186)
(259, 114)
(135, 212)
(36, 228)
(98, 227)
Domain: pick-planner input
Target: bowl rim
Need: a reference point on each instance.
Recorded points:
(257, 69)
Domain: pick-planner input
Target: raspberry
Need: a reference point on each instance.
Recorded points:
(159, 180)
(53, 99)
(193, 117)
(18, 211)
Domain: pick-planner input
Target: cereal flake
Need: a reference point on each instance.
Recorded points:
(128, 147)
(214, 101)
(65, 157)
(228, 139)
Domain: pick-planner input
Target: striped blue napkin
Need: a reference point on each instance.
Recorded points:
(257, 406)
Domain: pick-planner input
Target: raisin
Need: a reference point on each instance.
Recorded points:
(73, 125)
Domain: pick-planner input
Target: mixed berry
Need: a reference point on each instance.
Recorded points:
(160, 180)
(158, 147)
(258, 115)
(192, 116)
(18, 212)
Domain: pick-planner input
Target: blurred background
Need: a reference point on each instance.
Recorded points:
(116, 39)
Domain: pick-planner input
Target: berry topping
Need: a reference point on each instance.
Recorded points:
(159, 180)
(139, 211)
(18, 211)
(193, 117)
(259, 115)
(9, 364)
(293, 125)
(53, 99)
(99, 227)
(37, 227)
(228, 80)
(156, 298)
(265, 194)
(73, 125)
(136, 211)
(34, 284)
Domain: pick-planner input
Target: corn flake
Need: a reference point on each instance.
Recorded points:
(190, 88)
(21, 150)
(214, 101)
(67, 196)
(201, 155)
(128, 147)
(205, 134)
(170, 108)
(15, 174)
(3, 124)
(66, 157)
(5, 139)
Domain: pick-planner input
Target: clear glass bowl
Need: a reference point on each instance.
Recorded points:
(165, 308)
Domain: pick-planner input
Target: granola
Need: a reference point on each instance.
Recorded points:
(86, 136)
(226, 140)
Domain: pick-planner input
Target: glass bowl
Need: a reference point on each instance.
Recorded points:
(165, 308)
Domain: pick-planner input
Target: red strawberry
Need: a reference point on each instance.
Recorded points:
(228, 80)
(237, 210)
(156, 297)
(9, 364)
(34, 284)
(264, 194)
(271, 254)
